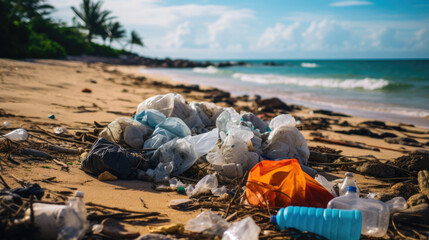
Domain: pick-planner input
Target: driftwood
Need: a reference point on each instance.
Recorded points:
(36, 153)
(62, 149)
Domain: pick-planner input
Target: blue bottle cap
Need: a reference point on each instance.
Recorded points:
(351, 189)
(274, 219)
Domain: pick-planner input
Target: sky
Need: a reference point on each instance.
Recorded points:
(271, 29)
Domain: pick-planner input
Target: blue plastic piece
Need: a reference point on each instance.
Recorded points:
(176, 126)
(351, 189)
(150, 117)
(52, 116)
(331, 223)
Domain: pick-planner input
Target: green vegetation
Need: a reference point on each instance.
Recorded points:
(27, 31)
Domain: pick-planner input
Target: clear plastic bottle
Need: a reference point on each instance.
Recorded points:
(348, 181)
(330, 223)
(375, 214)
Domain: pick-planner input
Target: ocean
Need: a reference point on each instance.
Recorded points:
(395, 90)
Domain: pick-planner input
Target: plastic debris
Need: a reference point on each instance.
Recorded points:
(219, 191)
(125, 130)
(245, 229)
(285, 143)
(325, 222)
(348, 181)
(282, 120)
(205, 185)
(396, 204)
(257, 122)
(180, 203)
(6, 124)
(283, 183)
(227, 119)
(61, 221)
(52, 116)
(107, 156)
(150, 117)
(28, 190)
(176, 126)
(326, 184)
(375, 214)
(208, 222)
(19, 134)
(60, 130)
(232, 170)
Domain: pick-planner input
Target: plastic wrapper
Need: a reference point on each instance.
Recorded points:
(206, 184)
(282, 120)
(326, 184)
(163, 171)
(208, 222)
(287, 142)
(219, 191)
(150, 117)
(19, 134)
(245, 229)
(115, 132)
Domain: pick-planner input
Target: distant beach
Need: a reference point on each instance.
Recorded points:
(395, 90)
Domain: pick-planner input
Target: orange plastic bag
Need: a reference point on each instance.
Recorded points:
(283, 183)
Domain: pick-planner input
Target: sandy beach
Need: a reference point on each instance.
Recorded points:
(32, 90)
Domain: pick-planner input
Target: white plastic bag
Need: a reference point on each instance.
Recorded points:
(205, 185)
(19, 134)
(282, 120)
(245, 229)
(209, 223)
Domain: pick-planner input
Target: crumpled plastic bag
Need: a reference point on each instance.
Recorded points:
(207, 111)
(203, 143)
(285, 143)
(162, 103)
(245, 229)
(179, 152)
(283, 183)
(176, 126)
(205, 185)
(227, 119)
(125, 130)
(209, 223)
(282, 120)
(108, 156)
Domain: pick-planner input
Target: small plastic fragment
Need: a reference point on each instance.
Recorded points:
(60, 130)
(282, 120)
(208, 222)
(205, 185)
(326, 184)
(6, 124)
(52, 116)
(219, 191)
(245, 229)
(396, 204)
(19, 134)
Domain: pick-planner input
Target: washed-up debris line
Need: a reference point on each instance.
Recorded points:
(206, 152)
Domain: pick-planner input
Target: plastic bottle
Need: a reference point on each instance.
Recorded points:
(330, 223)
(348, 181)
(375, 214)
(396, 204)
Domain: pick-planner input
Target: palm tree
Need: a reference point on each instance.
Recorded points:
(135, 39)
(115, 31)
(30, 8)
(93, 18)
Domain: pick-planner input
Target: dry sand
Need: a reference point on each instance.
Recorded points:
(32, 90)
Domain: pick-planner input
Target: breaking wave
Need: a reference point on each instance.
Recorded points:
(366, 83)
(208, 70)
(309, 65)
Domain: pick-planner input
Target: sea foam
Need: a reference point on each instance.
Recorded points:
(309, 65)
(208, 70)
(366, 83)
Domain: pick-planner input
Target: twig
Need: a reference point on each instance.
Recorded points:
(113, 208)
(144, 204)
(122, 216)
(337, 164)
(4, 182)
(60, 163)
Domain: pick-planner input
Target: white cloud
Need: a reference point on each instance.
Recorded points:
(179, 36)
(422, 37)
(350, 3)
(280, 36)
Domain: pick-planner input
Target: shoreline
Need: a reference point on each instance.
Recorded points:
(376, 111)
(31, 91)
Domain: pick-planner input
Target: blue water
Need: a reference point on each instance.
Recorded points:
(396, 90)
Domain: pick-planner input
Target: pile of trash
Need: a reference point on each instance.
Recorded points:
(167, 136)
